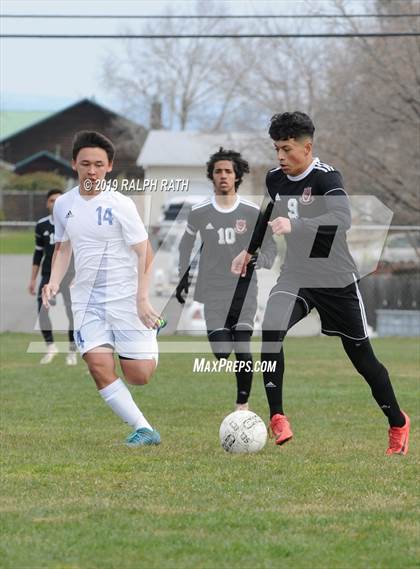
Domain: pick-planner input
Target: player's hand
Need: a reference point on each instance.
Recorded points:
(49, 292)
(253, 262)
(280, 225)
(184, 286)
(240, 263)
(147, 314)
(32, 288)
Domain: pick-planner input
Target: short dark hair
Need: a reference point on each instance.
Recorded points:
(291, 125)
(92, 139)
(240, 165)
(53, 192)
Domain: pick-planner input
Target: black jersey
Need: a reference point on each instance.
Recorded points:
(319, 212)
(44, 244)
(224, 234)
(44, 248)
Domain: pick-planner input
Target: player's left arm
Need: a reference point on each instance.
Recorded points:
(146, 312)
(135, 236)
(336, 217)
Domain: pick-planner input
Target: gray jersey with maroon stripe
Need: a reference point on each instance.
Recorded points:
(224, 234)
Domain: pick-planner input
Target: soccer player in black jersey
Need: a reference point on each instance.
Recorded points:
(225, 223)
(44, 249)
(308, 205)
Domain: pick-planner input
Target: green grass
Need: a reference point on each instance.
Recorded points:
(75, 497)
(17, 242)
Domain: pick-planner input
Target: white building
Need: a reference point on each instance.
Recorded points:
(177, 160)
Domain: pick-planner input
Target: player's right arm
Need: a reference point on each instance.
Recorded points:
(60, 264)
(36, 260)
(185, 248)
(61, 256)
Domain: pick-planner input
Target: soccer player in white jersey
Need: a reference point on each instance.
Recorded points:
(110, 304)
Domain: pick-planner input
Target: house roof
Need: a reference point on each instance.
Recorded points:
(49, 116)
(14, 121)
(45, 154)
(191, 148)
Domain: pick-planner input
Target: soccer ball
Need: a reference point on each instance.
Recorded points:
(242, 432)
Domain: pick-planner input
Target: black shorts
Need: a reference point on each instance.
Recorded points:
(341, 310)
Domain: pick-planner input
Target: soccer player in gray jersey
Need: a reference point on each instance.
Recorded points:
(225, 223)
(308, 205)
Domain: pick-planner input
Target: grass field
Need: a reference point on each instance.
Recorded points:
(17, 242)
(74, 497)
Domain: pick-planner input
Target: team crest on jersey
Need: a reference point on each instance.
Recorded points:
(240, 226)
(306, 198)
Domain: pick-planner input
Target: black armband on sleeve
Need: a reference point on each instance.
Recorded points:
(261, 226)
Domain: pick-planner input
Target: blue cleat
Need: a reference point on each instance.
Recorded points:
(143, 437)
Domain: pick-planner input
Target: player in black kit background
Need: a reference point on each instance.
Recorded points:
(44, 249)
(308, 205)
(226, 222)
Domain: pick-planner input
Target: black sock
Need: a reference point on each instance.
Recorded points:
(282, 312)
(273, 379)
(242, 347)
(376, 375)
(243, 377)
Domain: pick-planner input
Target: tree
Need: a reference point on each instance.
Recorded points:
(371, 116)
(361, 92)
(197, 81)
(37, 181)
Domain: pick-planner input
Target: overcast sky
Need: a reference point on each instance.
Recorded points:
(40, 74)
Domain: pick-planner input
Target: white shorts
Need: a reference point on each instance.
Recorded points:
(122, 330)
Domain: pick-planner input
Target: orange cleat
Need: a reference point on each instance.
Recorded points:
(398, 438)
(280, 428)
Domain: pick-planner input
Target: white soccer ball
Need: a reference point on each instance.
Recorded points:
(242, 432)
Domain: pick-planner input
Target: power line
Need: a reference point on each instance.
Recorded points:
(201, 17)
(209, 36)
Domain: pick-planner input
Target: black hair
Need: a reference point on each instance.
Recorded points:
(92, 139)
(53, 192)
(240, 165)
(291, 125)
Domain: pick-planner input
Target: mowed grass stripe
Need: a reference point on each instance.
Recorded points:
(18, 242)
(74, 496)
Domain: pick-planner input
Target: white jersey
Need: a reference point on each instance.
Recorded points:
(102, 230)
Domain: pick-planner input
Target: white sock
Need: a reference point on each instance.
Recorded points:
(121, 402)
